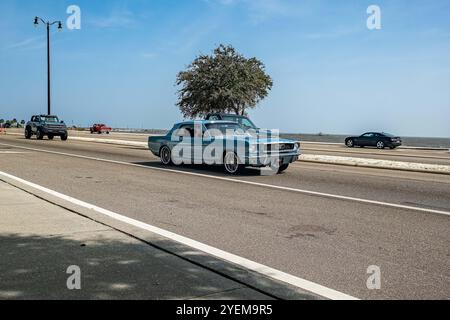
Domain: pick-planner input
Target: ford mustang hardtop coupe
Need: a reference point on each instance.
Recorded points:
(374, 139)
(224, 143)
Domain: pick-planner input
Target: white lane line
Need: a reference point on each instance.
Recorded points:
(12, 152)
(243, 262)
(258, 184)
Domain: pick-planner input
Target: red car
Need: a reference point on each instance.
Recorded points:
(100, 128)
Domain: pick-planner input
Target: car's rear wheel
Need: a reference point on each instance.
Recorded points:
(231, 163)
(283, 167)
(39, 135)
(28, 133)
(166, 156)
(350, 143)
(380, 145)
(64, 136)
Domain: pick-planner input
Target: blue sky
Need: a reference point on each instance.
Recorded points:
(331, 74)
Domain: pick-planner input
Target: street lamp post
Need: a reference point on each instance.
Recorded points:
(48, 24)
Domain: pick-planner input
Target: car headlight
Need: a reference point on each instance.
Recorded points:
(297, 146)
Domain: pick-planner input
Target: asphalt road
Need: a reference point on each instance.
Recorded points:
(326, 240)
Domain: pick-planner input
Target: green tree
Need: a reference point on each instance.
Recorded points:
(225, 81)
(2, 121)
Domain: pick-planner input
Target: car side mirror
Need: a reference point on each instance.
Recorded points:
(62, 122)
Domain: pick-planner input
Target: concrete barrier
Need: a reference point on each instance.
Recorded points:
(376, 163)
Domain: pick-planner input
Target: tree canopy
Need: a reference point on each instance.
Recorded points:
(225, 81)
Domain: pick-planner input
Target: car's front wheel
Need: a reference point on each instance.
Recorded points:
(64, 136)
(380, 145)
(283, 167)
(39, 135)
(166, 156)
(28, 133)
(231, 163)
(350, 143)
(50, 137)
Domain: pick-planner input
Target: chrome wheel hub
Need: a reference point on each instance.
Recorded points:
(231, 162)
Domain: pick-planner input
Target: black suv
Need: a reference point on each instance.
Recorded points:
(44, 125)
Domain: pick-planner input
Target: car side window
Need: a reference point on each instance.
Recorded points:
(214, 118)
(186, 131)
(368, 135)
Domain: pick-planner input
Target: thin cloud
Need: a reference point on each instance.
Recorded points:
(32, 43)
(332, 34)
(260, 10)
(116, 19)
(29, 43)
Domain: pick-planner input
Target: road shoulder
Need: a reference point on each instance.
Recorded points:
(43, 236)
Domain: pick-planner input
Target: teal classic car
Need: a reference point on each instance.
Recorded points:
(223, 143)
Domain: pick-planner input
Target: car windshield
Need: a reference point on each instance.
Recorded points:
(244, 122)
(224, 127)
(49, 119)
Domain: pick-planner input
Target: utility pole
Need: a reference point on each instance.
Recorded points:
(48, 24)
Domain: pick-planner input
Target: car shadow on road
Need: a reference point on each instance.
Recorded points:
(203, 169)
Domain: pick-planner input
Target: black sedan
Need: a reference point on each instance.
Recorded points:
(374, 139)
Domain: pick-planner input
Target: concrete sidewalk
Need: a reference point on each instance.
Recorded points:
(39, 241)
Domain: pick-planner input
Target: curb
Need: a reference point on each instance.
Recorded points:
(377, 164)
